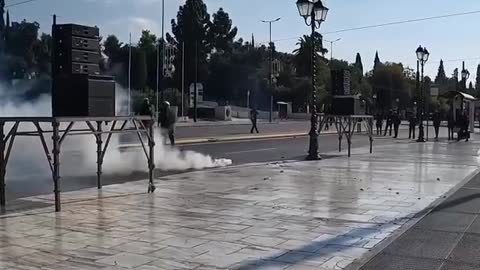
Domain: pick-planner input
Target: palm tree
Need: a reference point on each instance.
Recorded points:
(303, 54)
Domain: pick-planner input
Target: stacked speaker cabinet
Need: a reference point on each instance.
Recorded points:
(78, 87)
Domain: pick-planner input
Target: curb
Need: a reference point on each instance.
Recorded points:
(241, 138)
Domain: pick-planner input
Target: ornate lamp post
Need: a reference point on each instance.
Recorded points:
(314, 13)
(422, 56)
(465, 76)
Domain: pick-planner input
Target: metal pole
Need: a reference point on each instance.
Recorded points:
(270, 63)
(56, 164)
(183, 78)
(331, 51)
(163, 53)
(151, 160)
(313, 149)
(421, 134)
(2, 166)
(129, 74)
(195, 90)
(99, 154)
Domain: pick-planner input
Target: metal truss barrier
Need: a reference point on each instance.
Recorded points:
(345, 125)
(96, 127)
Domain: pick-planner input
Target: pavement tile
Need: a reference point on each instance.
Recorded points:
(391, 262)
(126, 260)
(233, 217)
(467, 250)
(423, 243)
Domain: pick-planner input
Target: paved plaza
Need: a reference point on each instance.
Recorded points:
(284, 215)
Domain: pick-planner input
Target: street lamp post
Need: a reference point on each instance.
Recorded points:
(465, 76)
(270, 67)
(314, 13)
(331, 46)
(422, 56)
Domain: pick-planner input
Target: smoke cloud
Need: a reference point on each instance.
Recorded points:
(79, 152)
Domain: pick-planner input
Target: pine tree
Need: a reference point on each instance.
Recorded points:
(477, 82)
(377, 61)
(253, 42)
(359, 64)
(441, 76)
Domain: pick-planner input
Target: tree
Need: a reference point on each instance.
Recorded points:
(148, 44)
(22, 38)
(303, 54)
(112, 47)
(358, 63)
(441, 78)
(477, 82)
(377, 63)
(220, 31)
(139, 69)
(42, 50)
(191, 28)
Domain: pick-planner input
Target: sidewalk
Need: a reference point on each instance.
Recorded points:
(448, 238)
(284, 215)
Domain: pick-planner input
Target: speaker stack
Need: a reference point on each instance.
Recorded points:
(344, 103)
(79, 90)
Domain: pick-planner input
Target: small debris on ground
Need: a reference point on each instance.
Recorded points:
(398, 193)
(362, 189)
(438, 179)
(266, 178)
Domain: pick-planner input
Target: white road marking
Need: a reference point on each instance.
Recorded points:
(251, 151)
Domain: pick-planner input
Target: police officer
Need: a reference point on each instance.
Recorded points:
(396, 123)
(436, 124)
(253, 118)
(167, 122)
(412, 124)
(389, 123)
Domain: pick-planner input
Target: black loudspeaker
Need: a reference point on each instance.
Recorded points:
(347, 105)
(83, 95)
(78, 68)
(67, 30)
(341, 80)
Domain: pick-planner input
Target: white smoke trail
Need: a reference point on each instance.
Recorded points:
(79, 152)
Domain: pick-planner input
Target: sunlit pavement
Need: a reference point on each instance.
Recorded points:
(299, 215)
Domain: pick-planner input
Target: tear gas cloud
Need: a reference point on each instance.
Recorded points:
(79, 152)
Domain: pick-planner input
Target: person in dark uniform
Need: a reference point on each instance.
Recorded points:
(412, 124)
(147, 110)
(396, 123)
(450, 126)
(389, 124)
(379, 124)
(464, 133)
(436, 124)
(253, 118)
(167, 121)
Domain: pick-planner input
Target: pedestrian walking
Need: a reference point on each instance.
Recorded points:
(436, 124)
(167, 121)
(389, 123)
(396, 123)
(451, 126)
(379, 124)
(412, 124)
(253, 118)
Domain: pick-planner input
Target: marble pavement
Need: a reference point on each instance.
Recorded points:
(284, 215)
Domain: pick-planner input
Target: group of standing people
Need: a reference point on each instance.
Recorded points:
(393, 121)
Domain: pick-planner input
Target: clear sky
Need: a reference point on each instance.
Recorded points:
(448, 39)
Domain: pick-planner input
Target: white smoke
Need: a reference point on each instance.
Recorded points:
(79, 152)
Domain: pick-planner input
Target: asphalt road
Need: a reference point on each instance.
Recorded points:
(28, 173)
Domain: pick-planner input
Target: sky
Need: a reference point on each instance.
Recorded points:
(449, 39)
